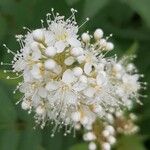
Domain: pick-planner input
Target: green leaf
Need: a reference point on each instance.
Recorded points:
(81, 146)
(3, 77)
(131, 142)
(9, 140)
(50, 143)
(91, 8)
(7, 111)
(142, 8)
(2, 27)
(132, 50)
(71, 2)
(30, 140)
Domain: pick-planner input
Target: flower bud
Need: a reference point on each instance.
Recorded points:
(50, 64)
(111, 140)
(106, 146)
(92, 146)
(26, 105)
(77, 51)
(98, 34)
(69, 61)
(102, 43)
(50, 51)
(85, 37)
(109, 46)
(38, 35)
(40, 110)
(77, 71)
(76, 116)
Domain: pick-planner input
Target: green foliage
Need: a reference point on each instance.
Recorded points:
(128, 20)
(79, 147)
(130, 143)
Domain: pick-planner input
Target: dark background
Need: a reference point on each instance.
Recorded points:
(128, 20)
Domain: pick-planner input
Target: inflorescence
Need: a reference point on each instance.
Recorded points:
(70, 81)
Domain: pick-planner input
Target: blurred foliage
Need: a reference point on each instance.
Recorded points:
(128, 20)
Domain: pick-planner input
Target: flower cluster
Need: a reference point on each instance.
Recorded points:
(69, 80)
(104, 134)
(118, 123)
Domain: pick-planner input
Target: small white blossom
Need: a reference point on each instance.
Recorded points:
(68, 80)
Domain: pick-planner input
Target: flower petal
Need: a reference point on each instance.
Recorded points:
(68, 76)
(88, 68)
(42, 92)
(71, 98)
(101, 78)
(60, 46)
(89, 92)
(51, 86)
(74, 42)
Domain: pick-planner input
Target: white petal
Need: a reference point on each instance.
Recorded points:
(89, 92)
(60, 46)
(71, 98)
(27, 76)
(51, 86)
(36, 72)
(74, 42)
(69, 61)
(38, 35)
(50, 51)
(36, 55)
(120, 92)
(79, 86)
(101, 78)
(26, 51)
(68, 76)
(81, 59)
(57, 69)
(42, 92)
(87, 68)
(19, 65)
(49, 38)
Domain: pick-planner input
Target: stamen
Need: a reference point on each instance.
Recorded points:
(48, 18)
(52, 10)
(87, 19)
(26, 28)
(6, 64)
(8, 77)
(8, 50)
(108, 37)
(42, 23)
(20, 100)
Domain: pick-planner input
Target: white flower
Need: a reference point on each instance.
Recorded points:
(68, 76)
(50, 51)
(36, 73)
(38, 35)
(101, 79)
(98, 34)
(85, 37)
(130, 82)
(68, 80)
